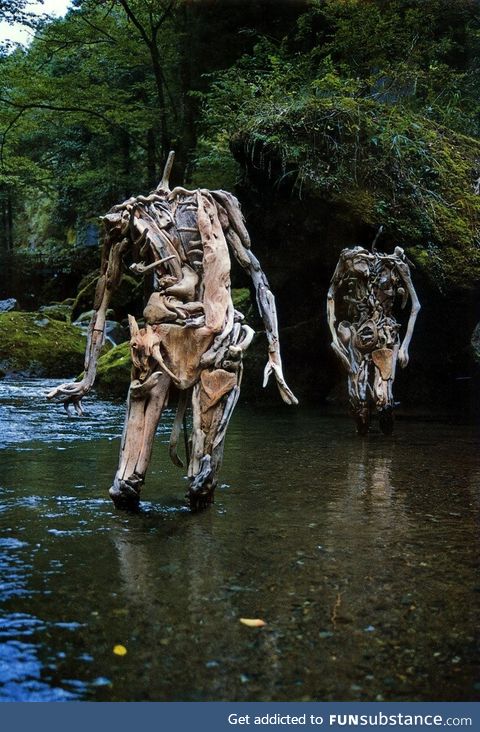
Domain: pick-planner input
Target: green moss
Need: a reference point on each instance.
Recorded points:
(113, 373)
(57, 311)
(32, 343)
(242, 300)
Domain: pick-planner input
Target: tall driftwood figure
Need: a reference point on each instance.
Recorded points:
(193, 337)
(364, 289)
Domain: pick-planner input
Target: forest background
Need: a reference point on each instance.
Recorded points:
(327, 118)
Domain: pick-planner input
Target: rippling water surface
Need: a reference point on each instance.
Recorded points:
(360, 555)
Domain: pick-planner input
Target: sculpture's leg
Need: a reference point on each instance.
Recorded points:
(384, 360)
(358, 392)
(213, 401)
(144, 408)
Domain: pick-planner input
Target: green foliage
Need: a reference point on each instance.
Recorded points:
(90, 110)
(369, 105)
(370, 115)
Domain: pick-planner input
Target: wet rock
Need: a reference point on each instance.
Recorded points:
(475, 343)
(115, 332)
(8, 305)
(85, 317)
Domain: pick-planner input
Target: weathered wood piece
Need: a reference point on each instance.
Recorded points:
(193, 337)
(366, 286)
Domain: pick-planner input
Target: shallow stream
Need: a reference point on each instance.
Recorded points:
(361, 555)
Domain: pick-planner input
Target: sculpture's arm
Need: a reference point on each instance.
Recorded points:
(337, 345)
(404, 271)
(72, 393)
(238, 239)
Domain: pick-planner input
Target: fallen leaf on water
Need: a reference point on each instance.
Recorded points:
(253, 622)
(119, 650)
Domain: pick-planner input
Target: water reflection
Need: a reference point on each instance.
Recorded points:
(357, 553)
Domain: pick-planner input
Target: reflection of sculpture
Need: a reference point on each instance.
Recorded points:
(367, 342)
(193, 339)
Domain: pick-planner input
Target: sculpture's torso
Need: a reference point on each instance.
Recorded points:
(371, 284)
(191, 300)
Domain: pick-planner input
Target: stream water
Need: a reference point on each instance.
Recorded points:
(361, 555)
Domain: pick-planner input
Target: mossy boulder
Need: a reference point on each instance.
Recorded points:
(113, 372)
(56, 311)
(33, 344)
(127, 298)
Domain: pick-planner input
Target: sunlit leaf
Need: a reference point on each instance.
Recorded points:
(253, 622)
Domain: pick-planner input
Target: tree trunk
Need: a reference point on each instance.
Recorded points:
(151, 156)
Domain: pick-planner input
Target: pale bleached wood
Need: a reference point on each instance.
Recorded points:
(367, 341)
(193, 337)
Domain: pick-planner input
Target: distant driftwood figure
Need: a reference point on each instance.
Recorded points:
(364, 289)
(193, 337)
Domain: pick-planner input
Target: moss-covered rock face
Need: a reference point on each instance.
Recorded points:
(298, 241)
(377, 165)
(33, 344)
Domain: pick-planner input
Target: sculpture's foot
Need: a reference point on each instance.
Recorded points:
(201, 492)
(199, 501)
(385, 420)
(362, 420)
(126, 493)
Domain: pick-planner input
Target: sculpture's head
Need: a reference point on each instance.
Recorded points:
(358, 260)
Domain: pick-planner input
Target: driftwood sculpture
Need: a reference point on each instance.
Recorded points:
(364, 287)
(193, 337)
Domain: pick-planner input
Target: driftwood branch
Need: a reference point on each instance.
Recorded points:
(164, 183)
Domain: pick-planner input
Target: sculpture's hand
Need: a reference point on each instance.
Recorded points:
(403, 357)
(71, 394)
(275, 366)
